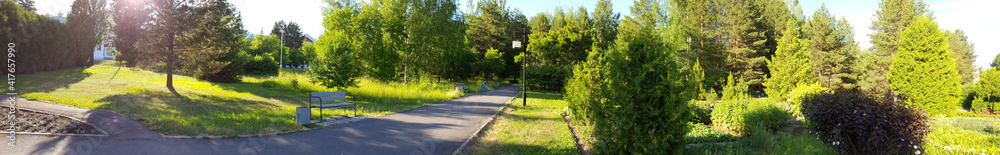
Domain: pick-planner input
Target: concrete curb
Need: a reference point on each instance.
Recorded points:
(103, 133)
(480, 130)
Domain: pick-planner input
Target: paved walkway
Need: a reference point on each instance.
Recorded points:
(438, 128)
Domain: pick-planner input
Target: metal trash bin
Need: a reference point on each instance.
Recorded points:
(303, 116)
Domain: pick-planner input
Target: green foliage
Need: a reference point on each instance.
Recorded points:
(563, 47)
(987, 92)
(540, 23)
(701, 112)
(832, 49)
(547, 78)
(797, 97)
(605, 26)
(88, 26)
(262, 65)
(744, 116)
(643, 111)
(701, 133)
(221, 57)
(698, 78)
(40, 43)
(790, 65)
(292, 35)
(951, 135)
(492, 64)
(859, 123)
(924, 71)
(893, 17)
(492, 25)
(128, 18)
(334, 66)
(735, 89)
(964, 55)
(697, 23)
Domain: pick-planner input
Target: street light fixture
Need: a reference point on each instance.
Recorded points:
(524, 69)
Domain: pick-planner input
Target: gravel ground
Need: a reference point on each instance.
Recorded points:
(29, 121)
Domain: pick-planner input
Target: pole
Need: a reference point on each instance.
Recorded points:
(281, 46)
(524, 70)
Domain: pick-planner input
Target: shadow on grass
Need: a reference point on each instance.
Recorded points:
(213, 115)
(50, 81)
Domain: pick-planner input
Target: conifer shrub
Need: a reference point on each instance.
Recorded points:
(854, 122)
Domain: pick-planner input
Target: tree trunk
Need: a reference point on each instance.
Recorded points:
(170, 65)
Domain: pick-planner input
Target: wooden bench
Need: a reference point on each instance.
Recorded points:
(339, 99)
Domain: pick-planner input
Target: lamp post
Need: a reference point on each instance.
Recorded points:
(281, 48)
(524, 69)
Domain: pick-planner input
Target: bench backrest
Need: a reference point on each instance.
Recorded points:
(461, 85)
(328, 96)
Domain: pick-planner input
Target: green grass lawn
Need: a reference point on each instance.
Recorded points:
(964, 135)
(535, 129)
(260, 104)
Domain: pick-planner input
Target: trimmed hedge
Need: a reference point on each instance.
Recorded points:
(858, 123)
(262, 65)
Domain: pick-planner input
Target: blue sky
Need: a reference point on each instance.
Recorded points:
(975, 17)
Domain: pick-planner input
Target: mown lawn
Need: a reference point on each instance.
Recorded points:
(260, 104)
(536, 129)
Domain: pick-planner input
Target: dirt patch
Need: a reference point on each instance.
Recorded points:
(31, 121)
(580, 142)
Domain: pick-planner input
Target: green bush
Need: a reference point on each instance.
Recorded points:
(262, 65)
(988, 92)
(701, 112)
(795, 98)
(742, 116)
(547, 78)
(735, 89)
(635, 94)
(858, 123)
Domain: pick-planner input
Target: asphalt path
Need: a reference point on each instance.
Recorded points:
(438, 128)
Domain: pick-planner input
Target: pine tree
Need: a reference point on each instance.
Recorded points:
(539, 23)
(88, 27)
(605, 24)
(745, 39)
(965, 55)
(790, 65)
(892, 18)
(923, 69)
(831, 49)
(698, 78)
(699, 26)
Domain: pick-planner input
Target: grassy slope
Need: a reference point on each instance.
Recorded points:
(257, 105)
(535, 129)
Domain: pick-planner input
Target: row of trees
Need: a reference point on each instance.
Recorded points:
(403, 39)
(41, 39)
